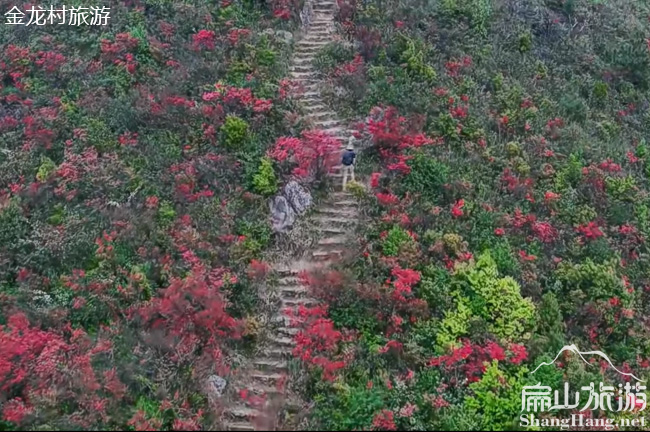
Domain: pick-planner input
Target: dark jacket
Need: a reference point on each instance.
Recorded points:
(348, 157)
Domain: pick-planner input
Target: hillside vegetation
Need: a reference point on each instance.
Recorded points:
(133, 217)
(502, 212)
(507, 213)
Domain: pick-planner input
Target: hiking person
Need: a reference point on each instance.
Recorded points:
(348, 159)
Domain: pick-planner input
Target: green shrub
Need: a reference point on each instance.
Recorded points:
(525, 42)
(347, 407)
(47, 168)
(57, 216)
(235, 132)
(600, 90)
(395, 239)
(496, 399)
(477, 12)
(166, 212)
(622, 188)
(415, 58)
(497, 300)
(265, 182)
(596, 281)
(427, 176)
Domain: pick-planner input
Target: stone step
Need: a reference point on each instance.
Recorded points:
(307, 49)
(289, 281)
(266, 377)
(330, 255)
(321, 16)
(304, 59)
(315, 107)
(307, 43)
(282, 341)
(286, 271)
(336, 130)
(294, 291)
(239, 426)
(304, 68)
(307, 83)
(326, 6)
(305, 53)
(241, 412)
(323, 32)
(332, 220)
(342, 211)
(328, 124)
(329, 229)
(345, 203)
(316, 38)
(321, 115)
(334, 240)
(322, 27)
(270, 364)
(311, 85)
(289, 331)
(318, 42)
(261, 389)
(292, 302)
(301, 75)
(281, 354)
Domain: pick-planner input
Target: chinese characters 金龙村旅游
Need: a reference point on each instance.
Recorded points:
(538, 398)
(62, 15)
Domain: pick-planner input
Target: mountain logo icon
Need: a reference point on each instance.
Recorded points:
(574, 349)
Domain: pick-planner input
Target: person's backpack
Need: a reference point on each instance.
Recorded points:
(348, 158)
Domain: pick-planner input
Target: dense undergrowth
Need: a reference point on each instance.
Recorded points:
(508, 212)
(133, 218)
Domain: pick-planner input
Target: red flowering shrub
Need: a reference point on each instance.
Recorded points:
(314, 154)
(317, 342)
(204, 39)
(384, 420)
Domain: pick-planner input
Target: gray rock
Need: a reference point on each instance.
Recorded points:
(340, 91)
(299, 197)
(284, 35)
(217, 385)
(282, 214)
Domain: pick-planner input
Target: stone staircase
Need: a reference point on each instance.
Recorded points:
(334, 220)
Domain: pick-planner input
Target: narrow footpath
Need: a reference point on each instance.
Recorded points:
(334, 218)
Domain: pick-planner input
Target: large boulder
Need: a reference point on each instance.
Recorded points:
(299, 197)
(282, 214)
(216, 385)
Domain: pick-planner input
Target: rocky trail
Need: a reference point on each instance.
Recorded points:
(334, 219)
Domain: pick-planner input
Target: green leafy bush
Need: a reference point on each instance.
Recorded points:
(45, 171)
(235, 132)
(265, 182)
(497, 300)
(395, 239)
(427, 176)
